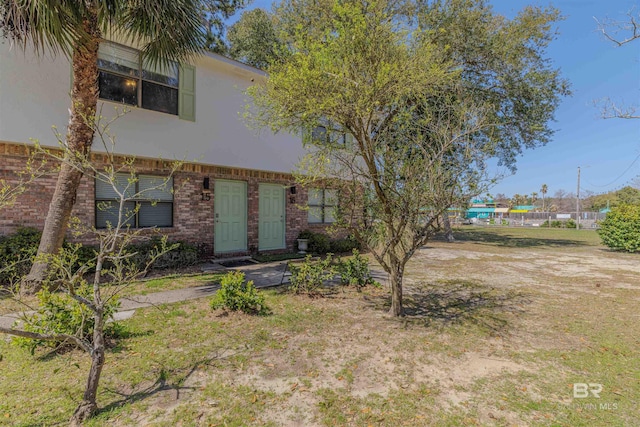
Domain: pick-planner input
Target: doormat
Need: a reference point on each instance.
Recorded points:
(237, 263)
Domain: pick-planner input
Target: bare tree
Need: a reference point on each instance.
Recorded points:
(112, 260)
(620, 33)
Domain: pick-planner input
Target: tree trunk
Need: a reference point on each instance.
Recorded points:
(87, 408)
(55, 227)
(84, 98)
(397, 271)
(448, 232)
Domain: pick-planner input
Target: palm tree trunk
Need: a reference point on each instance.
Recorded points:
(84, 98)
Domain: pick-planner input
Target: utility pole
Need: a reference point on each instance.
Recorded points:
(578, 202)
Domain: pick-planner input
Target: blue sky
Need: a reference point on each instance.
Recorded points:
(605, 150)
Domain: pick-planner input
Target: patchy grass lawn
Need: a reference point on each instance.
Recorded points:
(500, 326)
(9, 304)
(174, 281)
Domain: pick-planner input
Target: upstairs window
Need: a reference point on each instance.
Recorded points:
(152, 205)
(321, 206)
(330, 133)
(123, 77)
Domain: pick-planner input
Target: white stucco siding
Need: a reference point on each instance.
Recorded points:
(34, 96)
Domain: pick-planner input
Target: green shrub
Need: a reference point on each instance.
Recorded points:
(318, 243)
(237, 295)
(620, 230)
(355, 271)
(86, 255)
(182, 256)
(305, 234)
(308, 277)
(16, 254)
(59, 313)
(18, 250)
(344, 245)
(560, 224)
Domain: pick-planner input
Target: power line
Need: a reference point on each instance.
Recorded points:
(620, 176)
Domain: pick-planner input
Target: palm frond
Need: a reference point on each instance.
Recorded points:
(44, 25)
(170, 30)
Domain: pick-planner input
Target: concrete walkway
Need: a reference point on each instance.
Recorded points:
(263, 276)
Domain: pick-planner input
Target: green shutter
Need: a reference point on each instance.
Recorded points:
(187, 93)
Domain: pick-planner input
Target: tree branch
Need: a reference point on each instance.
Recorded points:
(48, 337)
(631, 26)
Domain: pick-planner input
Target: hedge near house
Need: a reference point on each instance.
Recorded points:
(620, 230)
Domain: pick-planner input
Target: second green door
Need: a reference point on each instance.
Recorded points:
(271, 217)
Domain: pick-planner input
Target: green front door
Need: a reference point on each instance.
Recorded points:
(271, 217)
(230, 210)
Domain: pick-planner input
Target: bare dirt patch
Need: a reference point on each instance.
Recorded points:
(496, 333)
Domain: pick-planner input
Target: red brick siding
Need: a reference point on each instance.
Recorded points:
(193, 218)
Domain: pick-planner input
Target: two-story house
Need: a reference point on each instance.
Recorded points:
(234, 195)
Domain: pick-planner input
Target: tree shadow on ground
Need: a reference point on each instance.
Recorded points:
(491, 238)
(114, 342)
(167, 380)
(454, 302)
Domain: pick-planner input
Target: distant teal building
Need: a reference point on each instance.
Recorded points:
(480, 213)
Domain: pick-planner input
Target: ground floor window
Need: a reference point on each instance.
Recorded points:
(322, 203)
(149, 201)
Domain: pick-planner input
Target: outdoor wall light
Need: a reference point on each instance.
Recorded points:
(206, 192)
